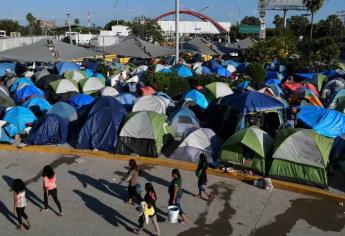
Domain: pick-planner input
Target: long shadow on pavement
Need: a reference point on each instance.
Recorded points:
(8, 214)
(220, 226)
(109, 214)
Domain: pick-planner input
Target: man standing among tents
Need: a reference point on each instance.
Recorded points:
(291, 115)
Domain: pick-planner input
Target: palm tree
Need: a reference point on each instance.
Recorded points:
(313, 6)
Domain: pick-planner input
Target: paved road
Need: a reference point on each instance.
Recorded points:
(93, 202)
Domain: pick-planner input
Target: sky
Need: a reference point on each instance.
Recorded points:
(102, 11)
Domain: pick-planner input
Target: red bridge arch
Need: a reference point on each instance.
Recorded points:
(198, 15)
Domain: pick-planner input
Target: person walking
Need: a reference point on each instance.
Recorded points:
(19, 203)
(175, 192)
(132, 179)
(149, 209)
(201, 173)
(49, 188)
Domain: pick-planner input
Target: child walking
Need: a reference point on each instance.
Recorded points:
(19, 203)
(201, 173)
(49, 188)
(133, 184)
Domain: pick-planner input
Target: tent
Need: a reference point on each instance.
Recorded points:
(4, 90)
(314, 78)
(92, 66)
(81, 101)
(62, 67)
(37, 105)
(329, 123)
(223, 72)
(44, 81)
(101, 130)
(144, 133)
(183, 120)
(64, 85)
(6, 101)
(295, 86)
(19, 81)
(91, 85)
(50, 129)
(183, 71)
(20, 117)
(107, 101)
(331, 88)
(109, 91)
(334, 100)
(301, 156)
(197, 97)
(165, 70)
(76, 75)
(247, 149)
(4, 138)
(340, 105)
(126, 99)
(151, 103)
(39, 74)
(28, 92)
(198, 141)
(337, 152)
(6, 68)
(113, 80)
(216, 90)
(307, 96)
(64, 110)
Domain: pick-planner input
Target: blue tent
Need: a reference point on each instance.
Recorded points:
(271, 75)
(241, 68)
(247, 102)
(51, 129)
(165, 70)
(223, 72)
(329, 123)
(4, 138)
(214, 65)
(99, 76)
(206, 70)
(126, 99)
(64, 110)
(183, 71)
(37, 102)
(11, 130)
(332, 74)
(88, 73)
(27, 92)
(101, 130)
(243, 85)
(19, 117)
(108, 102)
(197, 97)
(81, 101)
(66, 66)
(273, 81)
(92, 66)
(231, 62)
(7, 67)
(20, 81)
(276, 89)
(309, 76)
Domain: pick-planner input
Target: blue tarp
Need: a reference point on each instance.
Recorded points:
(92, 66)
(223, 72)
(4, 138)
(88, 73)
(231, 62)
(18, 82)
(197, 97)
(11, 129)
(247, 102)
(39, 102)
(273, 81)
(309, 76)
(80, 101)
(243, 85)
(329, 123)
(19, 117)
(206, 70)
(214, 65)
(101, 130)
(99, 76)
(66, 66)
(184, 71)
(51, 129)
(331, 74)
(7, 67)
(165, 70)
(27, 92)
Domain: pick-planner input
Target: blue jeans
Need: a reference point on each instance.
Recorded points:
(201, 188)
(178, 204)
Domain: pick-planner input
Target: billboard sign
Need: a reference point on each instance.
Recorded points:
(285, 5)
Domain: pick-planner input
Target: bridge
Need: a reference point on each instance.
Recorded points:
(197, 15)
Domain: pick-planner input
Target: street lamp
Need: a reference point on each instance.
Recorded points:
(177, 32)
(203, 9)
(69, 28)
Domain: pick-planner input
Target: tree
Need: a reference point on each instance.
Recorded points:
(250, 20)
(12, 26)
(147, 29)
(313, 6)
(76, 21)
(278, 22)
(116, 22)
(298, 25)
(331, 27)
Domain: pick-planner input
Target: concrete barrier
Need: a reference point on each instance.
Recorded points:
(9, 43)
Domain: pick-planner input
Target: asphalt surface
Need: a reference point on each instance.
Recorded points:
(93, 202)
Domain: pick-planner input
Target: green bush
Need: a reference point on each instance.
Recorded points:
(256, 72)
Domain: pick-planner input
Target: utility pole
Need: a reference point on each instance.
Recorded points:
(177, 32)
(69, 28)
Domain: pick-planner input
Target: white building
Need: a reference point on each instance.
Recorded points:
(110, 37)
(192, 27)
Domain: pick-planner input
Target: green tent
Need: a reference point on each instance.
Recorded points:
(144, 133)
(341, 66)
(91, 85)
(216, 90)
(301, 156)
(247, 149)
(76, 75)
(318, 81)
(6, 101)
(64, 86)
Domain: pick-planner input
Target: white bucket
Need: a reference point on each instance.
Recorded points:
(173, 213)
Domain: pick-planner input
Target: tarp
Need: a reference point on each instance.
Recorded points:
(329, 123)
(80, 101)
(20, 117)
(6, 68)
(50, 129)
(248, 102)
(62, 67)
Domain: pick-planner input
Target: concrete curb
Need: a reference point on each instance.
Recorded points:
(298, 188)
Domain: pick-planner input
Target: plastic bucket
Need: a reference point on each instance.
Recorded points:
(173, 213)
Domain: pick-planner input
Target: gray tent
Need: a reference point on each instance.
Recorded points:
(151, 103)
(199, 141)
(134, 47)
(48, 51)
(201, 46)
(244, 44)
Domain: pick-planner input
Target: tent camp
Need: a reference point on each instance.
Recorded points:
(65, 66)
(247, 149)
(109, 91)
(301, 156)
(50, 129)
(216, 90)
(37, 105)
(76, 75)
(107, 101)
(91, 85)
(64, 86)
(144, 133)
(64, 110)
(28, 92)
(20, 117)
(197, 142)
(151, 103)
(183, 120)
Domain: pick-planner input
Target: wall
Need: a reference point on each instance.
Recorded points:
(9, 43)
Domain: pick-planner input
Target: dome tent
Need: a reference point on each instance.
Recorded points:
(20, 117)
(151, 103)
(183, 120)
(144, 133)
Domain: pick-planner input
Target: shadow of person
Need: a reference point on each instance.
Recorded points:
(107, 213)
(8, 214)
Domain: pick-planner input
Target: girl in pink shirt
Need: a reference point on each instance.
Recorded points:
(49, 187)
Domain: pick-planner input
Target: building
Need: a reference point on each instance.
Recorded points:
(192, 27)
